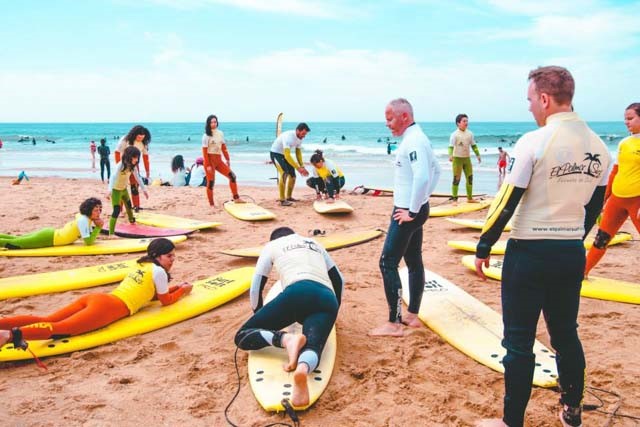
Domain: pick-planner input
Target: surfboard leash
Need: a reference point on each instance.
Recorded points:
(285, 402)
(597, 407)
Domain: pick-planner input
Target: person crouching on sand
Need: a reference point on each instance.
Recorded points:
(86, 225)
(312, 288)
(148, 280)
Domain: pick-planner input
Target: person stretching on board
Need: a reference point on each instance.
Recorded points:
(213, 148)
(459, 143)
(147, 281)
(118, 194)
(326, 177)
(86, 225)
(139, 137)
(284, 162)
(312, 289)
(623, 189)
(416, 175)
(554, 189)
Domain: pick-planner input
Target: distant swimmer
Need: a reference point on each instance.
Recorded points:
(50, 140)
(33, 140)
(324, 141)
(343, 138)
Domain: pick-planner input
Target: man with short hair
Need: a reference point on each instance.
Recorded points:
(416, 175)
(284, 162)
(554, 189)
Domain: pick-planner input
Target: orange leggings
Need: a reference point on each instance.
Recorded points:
(88, 313)
(615, 214)
(216, 163)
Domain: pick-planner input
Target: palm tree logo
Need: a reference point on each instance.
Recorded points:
(595, 166)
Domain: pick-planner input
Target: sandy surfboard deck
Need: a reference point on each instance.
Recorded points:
(473, 327)
(100, 247)
(206, 295)
(593, 287)
(248, 211)
(329, 242)
(124, 229)
(270, 383)
(501, 245)
(337, 207)
(449, 209)
(170, 221)
(64, 280)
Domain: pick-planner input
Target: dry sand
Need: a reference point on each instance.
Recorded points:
(185, 375)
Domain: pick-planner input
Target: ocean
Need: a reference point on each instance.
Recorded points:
(359, 149)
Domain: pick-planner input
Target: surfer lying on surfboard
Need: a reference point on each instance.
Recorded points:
(87, 226)
(312, 288)
(148, 280)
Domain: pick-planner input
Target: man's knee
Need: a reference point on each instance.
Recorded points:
(456, 180)
(232, 177)
(210, 183)
(602, 239)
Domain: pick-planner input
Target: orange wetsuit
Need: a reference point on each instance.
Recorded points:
(213, 149)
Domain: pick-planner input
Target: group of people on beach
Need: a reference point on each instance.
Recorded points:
(555, 185)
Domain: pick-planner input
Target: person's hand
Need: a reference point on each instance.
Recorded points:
(479, 161)
(319, 196)
(337, 196)
(146, 194)
(99, 222)
(402, 215)
(303, 171)
(187, 287)
(451, 158)
(479, 263)
(108, 196)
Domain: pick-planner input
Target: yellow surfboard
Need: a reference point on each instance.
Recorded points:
(64, 280)
(501, 245)
(437, 194)
(100, 247)
(337, 207)
(279, 121)
(248, 211)
(206, 295)
(330, 242)
(270, 383)
(476, 224)
(170, 221)
(458, 208)
(593, 287)
(472, 327)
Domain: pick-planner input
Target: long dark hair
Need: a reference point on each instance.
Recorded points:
(156, 248)
(207, 125)
(138, 130)
(177, 163)
(127, 157)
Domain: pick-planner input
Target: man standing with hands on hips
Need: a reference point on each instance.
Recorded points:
(416, 175)
(554, 189)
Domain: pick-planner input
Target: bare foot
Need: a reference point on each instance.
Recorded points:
(5, 336)
(491, 422)
(412, 320)
(472, 201)
(239, 201)
(387, 330)
(293, 343)
(300, 397)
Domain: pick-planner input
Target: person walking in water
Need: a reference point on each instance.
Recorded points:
(460, 143)
(312, 288)
(416, 176)
(503, 159)
(105, 163)
(553, 208)
(285, 164)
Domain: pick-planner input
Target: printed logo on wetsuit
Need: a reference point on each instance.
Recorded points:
(413, 156)
(512, 160)
(308, 244)
(590, 166)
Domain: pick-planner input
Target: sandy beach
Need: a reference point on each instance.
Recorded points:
(185, 375)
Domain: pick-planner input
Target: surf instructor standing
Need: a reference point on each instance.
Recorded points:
(554, 189)
(416, 175)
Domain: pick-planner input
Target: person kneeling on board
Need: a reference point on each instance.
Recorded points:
(326, 177)
(312, 289)
(148, 280)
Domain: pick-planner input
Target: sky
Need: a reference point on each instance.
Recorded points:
(329, 60)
